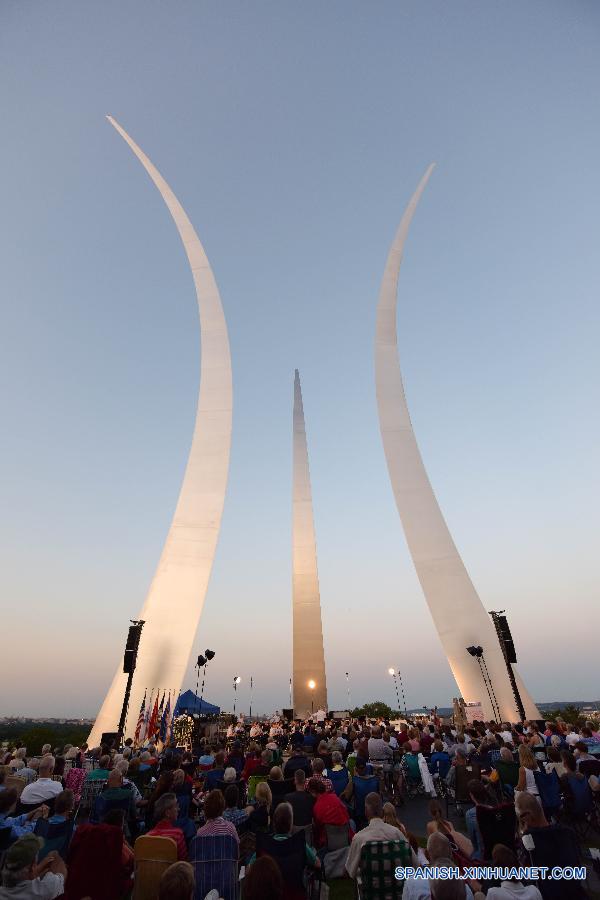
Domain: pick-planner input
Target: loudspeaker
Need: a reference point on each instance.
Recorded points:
(288, 714)
(129, 661)
(109, 739)
(133, 637)
(507, 638)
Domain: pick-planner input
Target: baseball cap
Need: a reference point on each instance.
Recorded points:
(23, 852)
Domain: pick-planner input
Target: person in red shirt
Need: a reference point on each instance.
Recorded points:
(166, 811)
(328, 810)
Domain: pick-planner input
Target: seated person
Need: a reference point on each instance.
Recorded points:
(265, 764)
(439, 755)
(439, 823)
(213, 776)
(301, 800)
(283, 820)
(480, 797)
(214, 807)
(236, 758)
(528, 766)
(114, 790)
(571, 773)
(554, 762)
(101, 773)
(64, 806)
(510, 889)
(318, 767)
(439, 853)
(263, 880)
(177, 882)
(21, 876)
(232, 812)
(376, 830)
(44, 790)
(296, 738)
(166, 812)
(298, 760)
(19, 825)
(459, 759)
(259, 813)
(328, 809)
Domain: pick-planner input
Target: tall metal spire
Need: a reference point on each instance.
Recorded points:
(309, 680)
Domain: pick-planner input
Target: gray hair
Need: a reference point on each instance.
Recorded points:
(336, 758)
(162, 804)
(283, 818)
(438, 847)
(47, 763)
(122, 766)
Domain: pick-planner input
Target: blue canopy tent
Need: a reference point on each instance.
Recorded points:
(190, 703)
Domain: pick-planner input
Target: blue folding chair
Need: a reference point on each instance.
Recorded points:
(102, 806)
(215, 861)
(362, 787)
(548, 787)
(57, 837)
(339, 779)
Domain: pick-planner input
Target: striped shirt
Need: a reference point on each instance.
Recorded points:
(218, 826)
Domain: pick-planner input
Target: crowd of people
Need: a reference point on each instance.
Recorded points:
(332, 793)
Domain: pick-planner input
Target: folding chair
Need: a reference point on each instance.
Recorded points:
(215, 861)
(102, 806)
(290, 857)
(497, 825)
(16, 782)
(339, 779)
(153, 855)
(556, 846)
(378, 862)
(579, 805)
(57, 837)
(412, 775)
(509, 776)
(548, 787)
(461, 796)
(253, 780)
(361, 787)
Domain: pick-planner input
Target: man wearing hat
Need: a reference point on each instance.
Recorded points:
(23, 879)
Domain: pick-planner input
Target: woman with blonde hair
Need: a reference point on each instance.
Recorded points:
(528, 766)
(259, 815)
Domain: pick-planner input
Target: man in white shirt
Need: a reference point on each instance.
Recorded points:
(22, 879)
(376, 830)
(44, 789)
(506, 733)
(439, 853)
(571, 738)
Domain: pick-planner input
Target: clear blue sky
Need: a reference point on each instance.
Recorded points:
(293, 134)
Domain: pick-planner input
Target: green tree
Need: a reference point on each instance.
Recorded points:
(375, 710)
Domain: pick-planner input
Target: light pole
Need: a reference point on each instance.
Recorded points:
(348, 689)
(291, 704)
(392, 672)
(202, 663)
(402, 691)
(312, 685)
(236, 681)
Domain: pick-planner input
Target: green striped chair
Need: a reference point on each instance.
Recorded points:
(378, 862)
(253, 780)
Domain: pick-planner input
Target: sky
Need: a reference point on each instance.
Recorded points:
(294, 134)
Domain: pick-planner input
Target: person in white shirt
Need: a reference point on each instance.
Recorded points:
(439, 853)
(510, 890)
(572, 737)
(506, 734)
(44, 789)
(22, 879)
(376, 830)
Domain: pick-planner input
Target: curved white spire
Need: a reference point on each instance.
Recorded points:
(457, 611)
(174, 603)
